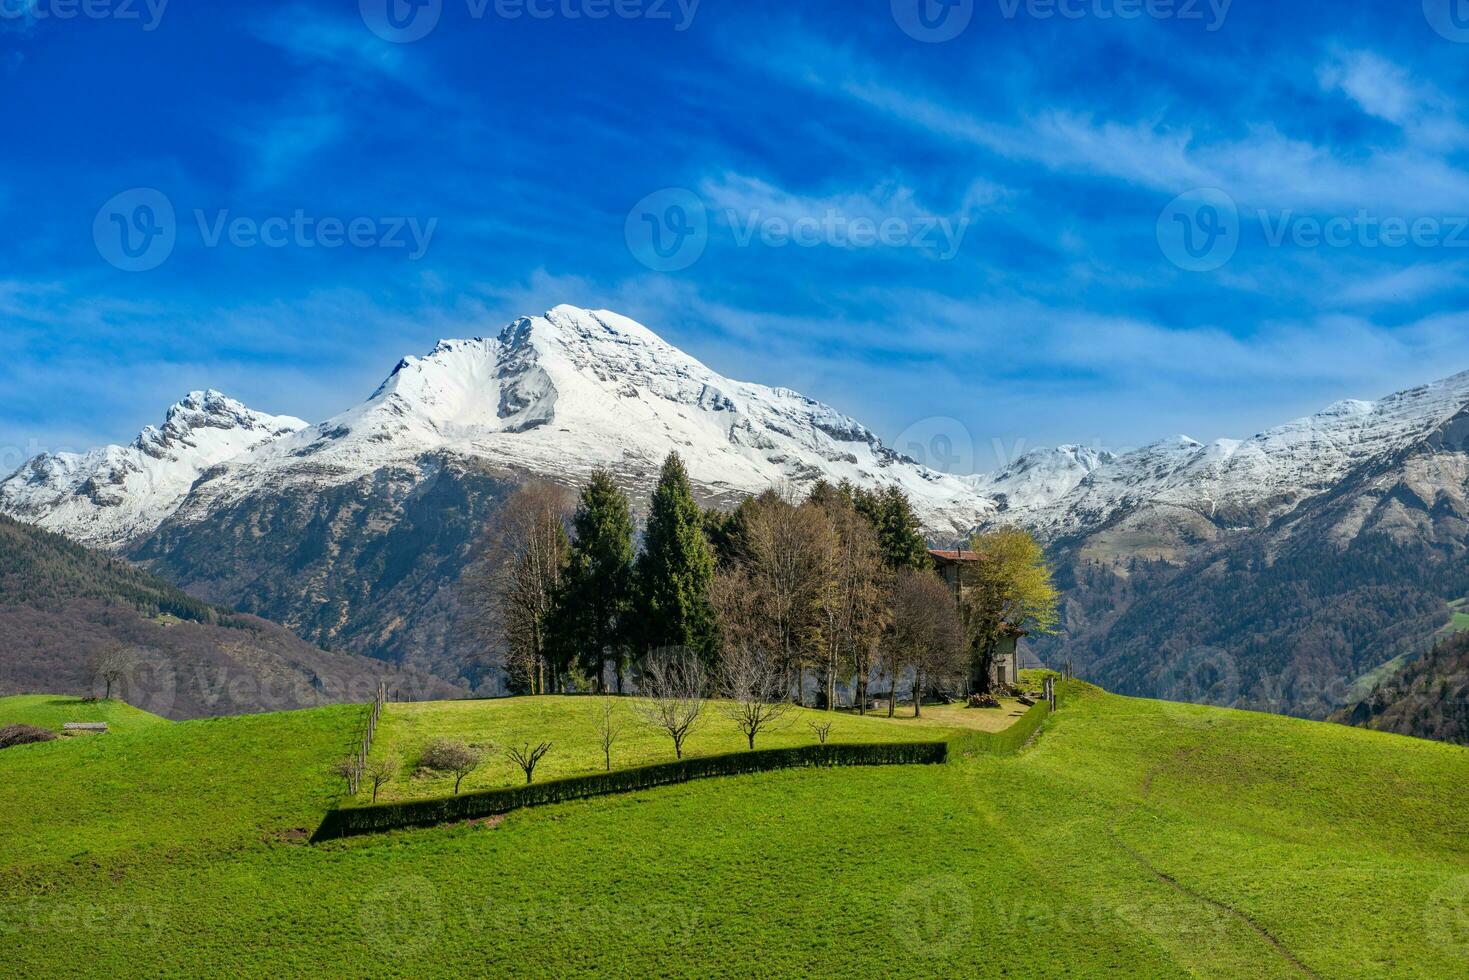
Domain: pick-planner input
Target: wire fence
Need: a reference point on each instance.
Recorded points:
(365, 748)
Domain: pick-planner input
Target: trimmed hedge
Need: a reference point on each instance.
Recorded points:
(380, 817)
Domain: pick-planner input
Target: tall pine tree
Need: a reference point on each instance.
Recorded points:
(591, 620)
(891, 515)
(676, 570)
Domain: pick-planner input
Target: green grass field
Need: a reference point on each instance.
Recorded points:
(1459, 618)
(568, 724)
(1133, 837)
(49, 711)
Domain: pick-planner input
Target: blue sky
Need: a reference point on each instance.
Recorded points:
(998, 225)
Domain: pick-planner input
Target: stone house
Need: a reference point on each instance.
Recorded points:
(950, 564)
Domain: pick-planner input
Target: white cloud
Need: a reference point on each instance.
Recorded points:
(1263, 168)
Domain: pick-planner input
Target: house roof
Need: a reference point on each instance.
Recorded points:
(953, 554)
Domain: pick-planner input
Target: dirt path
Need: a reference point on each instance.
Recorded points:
(1174, 883)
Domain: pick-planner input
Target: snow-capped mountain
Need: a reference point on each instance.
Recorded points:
(553, 396)
(356, 532)
(1238, 484)
(117, 493)
(1038, 479)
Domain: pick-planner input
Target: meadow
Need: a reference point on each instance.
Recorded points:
(50, 711)
(569, 724)
(1131, 835)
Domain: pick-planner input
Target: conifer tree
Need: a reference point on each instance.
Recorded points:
(591, 618)
(676, 570)
(898, 530)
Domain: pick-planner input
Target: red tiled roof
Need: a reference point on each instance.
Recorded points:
(953, 554)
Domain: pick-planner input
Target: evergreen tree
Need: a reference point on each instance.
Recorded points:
(590, 622)
(891, 515)
(676, 570)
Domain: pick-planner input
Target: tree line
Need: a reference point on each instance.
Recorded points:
(791, 597)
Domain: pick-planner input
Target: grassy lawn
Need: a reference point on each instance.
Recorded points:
(1133, 838)
(568, 724)
(1459, 621)
(50, 711)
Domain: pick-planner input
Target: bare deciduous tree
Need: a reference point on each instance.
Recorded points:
(380, 772)
(607, 722)
(512, 585)
(785, 554)
(672, 684)
(854, 603)
(753, 688)
(822, 730)
(926, 635)
(112, 665)
(346, 769)
(453, 757)
(526, 758)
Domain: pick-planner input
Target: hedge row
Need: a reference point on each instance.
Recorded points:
(488, 803)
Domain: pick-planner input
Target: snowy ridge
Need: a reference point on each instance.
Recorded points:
(558, 395)
(1242, 483)
(554, 396)
(115, 493)
(1039, 478)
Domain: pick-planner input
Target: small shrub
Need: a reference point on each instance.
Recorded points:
(454, 757)
(822, 729)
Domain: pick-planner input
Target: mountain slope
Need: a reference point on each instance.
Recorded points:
(1284, 615)
(1309, 554)
(1170, 495)
(1427, 698)
(354, 532)
(116, 493)
(62, 604)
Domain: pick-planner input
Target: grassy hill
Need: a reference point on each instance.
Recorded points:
(568, 724)
(48, 711)
(1136, 836)
(61, 604)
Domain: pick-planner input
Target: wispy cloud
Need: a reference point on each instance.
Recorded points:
(1265, 167)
